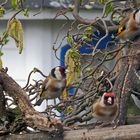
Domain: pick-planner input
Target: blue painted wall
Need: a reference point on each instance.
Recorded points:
(85, 49)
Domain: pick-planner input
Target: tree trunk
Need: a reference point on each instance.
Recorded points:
(33, 118)
(2, 103)
(125, 81)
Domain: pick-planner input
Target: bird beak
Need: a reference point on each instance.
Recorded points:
(109, 100)
(67, 71)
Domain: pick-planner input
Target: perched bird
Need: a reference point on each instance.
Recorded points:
(128, 25)
(105, 109)
(53, 85)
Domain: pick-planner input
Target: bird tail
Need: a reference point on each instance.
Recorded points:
(38, 103)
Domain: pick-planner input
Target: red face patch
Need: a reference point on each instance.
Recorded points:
(62, 68)
(62, 71)
(109, 94)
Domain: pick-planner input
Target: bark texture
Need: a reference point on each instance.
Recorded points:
(33, 118)
(126, 82)
(129, 132)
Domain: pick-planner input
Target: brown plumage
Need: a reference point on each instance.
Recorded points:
(128, 25)
(53, 85)
(105, 108)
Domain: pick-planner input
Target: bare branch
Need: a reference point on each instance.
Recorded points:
(33, 118)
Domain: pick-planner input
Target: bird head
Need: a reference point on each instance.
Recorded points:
(136, 16)
(108, 98)
(59, 72)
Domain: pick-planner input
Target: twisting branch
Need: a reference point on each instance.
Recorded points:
(33, 118)
(5, 2)
(84, 20)
(29, 76)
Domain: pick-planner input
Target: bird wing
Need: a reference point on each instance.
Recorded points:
(95, 105)
(44, 87)
(42, 95)
(123, 24)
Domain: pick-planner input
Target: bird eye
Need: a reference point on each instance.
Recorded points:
(105, 97)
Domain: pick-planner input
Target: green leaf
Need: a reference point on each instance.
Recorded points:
(109, 8)
(2, 11)
(59, 108)
(1, 53)
(101, 1)
(70, 40)
(84, 38)
(5, 41)
(69, 109)
(86, 34)
(78, 67)
(88, 30)
(14, 4)
(74, 53)
(26, 12)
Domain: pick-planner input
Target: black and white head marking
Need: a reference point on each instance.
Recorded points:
(108, 100)
(59, 72)
(53, 73)
(136, 16)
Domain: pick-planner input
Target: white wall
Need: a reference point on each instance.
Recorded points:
(37, 45)
(39, 35)
(38, 41)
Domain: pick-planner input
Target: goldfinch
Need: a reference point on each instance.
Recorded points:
(128, 25)
(53, 85)
(105, 109)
